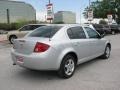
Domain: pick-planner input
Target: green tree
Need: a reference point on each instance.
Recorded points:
(102, 8)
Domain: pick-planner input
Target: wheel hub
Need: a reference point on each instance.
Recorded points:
(107, 51)
(69, 67)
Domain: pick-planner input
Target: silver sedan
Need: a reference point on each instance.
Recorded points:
(60, 48)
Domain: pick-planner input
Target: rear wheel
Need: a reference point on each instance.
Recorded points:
(106, 54)
(67, 67)
(11, 38)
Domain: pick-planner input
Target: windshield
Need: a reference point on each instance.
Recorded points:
(45, 31)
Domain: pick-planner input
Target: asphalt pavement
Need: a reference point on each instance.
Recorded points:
(97, 74)
(3, 37)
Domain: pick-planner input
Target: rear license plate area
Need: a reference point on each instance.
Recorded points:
(20, 59)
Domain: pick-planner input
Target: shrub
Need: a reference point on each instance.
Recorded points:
(4, 26)
(14, 26)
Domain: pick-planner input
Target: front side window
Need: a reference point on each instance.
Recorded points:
(92, 33)
(76, 33)
(45, 31)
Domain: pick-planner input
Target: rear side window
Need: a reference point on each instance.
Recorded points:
(24, 28)
(92, 33)
(76, 33)
(45, 31)
(32, 27)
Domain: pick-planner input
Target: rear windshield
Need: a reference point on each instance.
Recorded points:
(45, 31)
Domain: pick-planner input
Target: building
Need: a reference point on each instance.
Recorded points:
(66, 17)
(13, 11)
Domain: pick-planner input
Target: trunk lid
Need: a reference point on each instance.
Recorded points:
(27, 45)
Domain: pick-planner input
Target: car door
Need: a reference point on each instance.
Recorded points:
(96, 45)
(79, 41)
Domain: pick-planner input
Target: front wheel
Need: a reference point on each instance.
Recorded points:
(67, 67)
(106, 54)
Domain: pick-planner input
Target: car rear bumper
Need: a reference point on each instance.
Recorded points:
(35, 61)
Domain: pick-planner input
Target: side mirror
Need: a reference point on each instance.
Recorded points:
(102, 36)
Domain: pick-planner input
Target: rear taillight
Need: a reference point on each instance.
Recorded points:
(41, 47)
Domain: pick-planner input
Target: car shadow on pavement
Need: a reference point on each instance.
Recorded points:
(35, 75)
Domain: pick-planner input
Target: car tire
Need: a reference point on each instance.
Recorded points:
(106, 54)
(67, 67)
(11, 38)
(113, 32)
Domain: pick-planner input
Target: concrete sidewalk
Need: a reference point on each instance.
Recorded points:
(3, 37)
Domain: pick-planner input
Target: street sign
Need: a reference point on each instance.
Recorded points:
(90, 15)
(110, 18)
(50, 11)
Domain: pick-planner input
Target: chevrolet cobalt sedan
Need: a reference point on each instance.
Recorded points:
(60, 48)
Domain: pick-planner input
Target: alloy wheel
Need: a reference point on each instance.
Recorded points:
(69, 67)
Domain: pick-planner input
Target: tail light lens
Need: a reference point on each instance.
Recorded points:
(41, 47)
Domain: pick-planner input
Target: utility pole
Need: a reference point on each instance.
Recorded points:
(50, 19)
(114, 4)
(80, 16)
(116, 10)
(89, 8)
(89, 3)
(8, 16)
(49, 1)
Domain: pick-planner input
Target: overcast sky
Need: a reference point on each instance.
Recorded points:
(59, 5)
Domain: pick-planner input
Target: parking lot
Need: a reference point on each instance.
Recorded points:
(97, 74)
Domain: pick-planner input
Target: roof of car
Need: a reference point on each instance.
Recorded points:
(67, 25)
